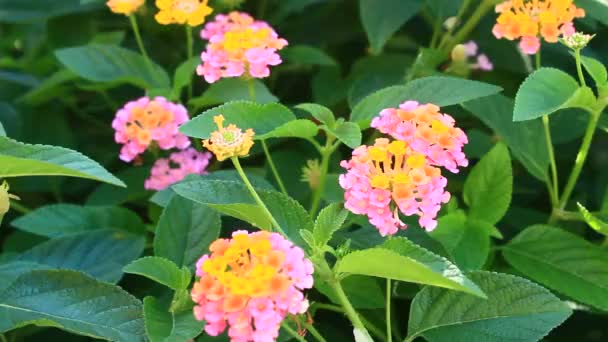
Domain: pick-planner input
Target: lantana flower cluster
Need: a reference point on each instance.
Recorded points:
(249, 284)
(529, 19)
(168, 171)
(190, 12)
(126, 7)
(239, 45)
(403, 175)
(228, 142)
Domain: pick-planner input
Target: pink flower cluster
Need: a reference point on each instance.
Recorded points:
(239, 45)
(144, 121)
(251, 283)
(168, 171)
(389, 177)
(482, 60)
(426, 131)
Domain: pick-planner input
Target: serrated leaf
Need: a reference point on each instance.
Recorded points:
(164, 326)
(100, 254)
(544, 92)
(111, 63)
(489, 186)
(185, 231)
(74, 302)
(232, 89)
(329, 221)
(593, 221)
(307, 55)
(439, 90)
(65, 219)
(400, 259)
(301, 128)
(321, 113)
(563, 262)
(262, 118)
(161, 270)
(596, 69)
(19, 159)
(516, 310)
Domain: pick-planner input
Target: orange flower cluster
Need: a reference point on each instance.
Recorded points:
(228, 142)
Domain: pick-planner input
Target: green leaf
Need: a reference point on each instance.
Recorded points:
(301, 128)
(262, 118)
(516, 310)
(161, 270)
(439, 90)
(321, 113)
(489, 186)
(402, 260)
(2, 131)
(563, 262)
(363, 292)
(74, 302)
(111, 63)
(19, 159)
(349, 133)
(64, 219)
(233, 199)
(232, 89)
(164, 326)
(49, 89)
(329, 221)
(523, 138)
(19, 11)
(100, 254)
(468, 244)
(544, 92)
(596, 9)
(596, 69)
(382, 18)
(185, 231)
(593, 221)
(183, 76)
(307, 55)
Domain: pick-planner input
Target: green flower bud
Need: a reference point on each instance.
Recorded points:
(459, 53)
(577, 41)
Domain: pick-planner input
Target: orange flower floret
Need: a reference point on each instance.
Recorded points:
(228, 142)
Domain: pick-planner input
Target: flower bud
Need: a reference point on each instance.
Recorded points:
(459, 53)
(577, 41)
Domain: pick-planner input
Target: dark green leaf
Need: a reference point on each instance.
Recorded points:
(307, 55)
(18, 11)
(596, 69)
(164, 326)
(363, 292)
(183, 76)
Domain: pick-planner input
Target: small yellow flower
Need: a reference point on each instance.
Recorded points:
(191, 12)
(126, 7)
(228, 142)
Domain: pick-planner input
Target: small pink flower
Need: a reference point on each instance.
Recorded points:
(167, 172)
(568, 29)
(529, 45)
(470, 48)
(483, 62)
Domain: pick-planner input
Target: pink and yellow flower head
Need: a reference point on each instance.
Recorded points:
(391, 177)
(250, 283)
(126, 7)
(529, 19)
(191, 12)
(143, 122)
(228, 142)
(239, 45)
(168, 171)
(426, 131)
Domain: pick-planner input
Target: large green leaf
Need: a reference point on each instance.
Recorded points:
(527, 145)
(544, 92)
(18, 11)
(516, 310)
(160, 270)
(329, 221)
(489, 186)
(74, 302)
(262, 118)
(185, 230)
(563, 262)
(439, 90)
(111, 63)
(233, 199)
(64, 219)
(402, 260)
(100, 254)
(19, 159)
(233, 89)
(382, 18)
(164, 326)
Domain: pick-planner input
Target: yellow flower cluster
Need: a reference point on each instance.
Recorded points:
(191, 12)
(126, 7)
(228, 142)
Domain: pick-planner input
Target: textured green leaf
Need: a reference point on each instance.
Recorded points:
(301, 128)
(363, 292)
(516, 310)
(544, 92)
(321, 113)
(307, 55)
(100, 254)
(74, 302)
(439, 90)
(111, 63)
(402, 260)
(329, 221)
(382, 18)
(596, 69)
(593, 221)
(64, 219)
(164, 326)
(185, 231)
(232, 89)
(262, 118)
(563, 262)
(489, 186)
(19, 159)
(160, 270)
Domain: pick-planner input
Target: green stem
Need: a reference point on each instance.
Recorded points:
(251, 89)
(254, 194)
(370, 326)
(292, 332)
(553, 184)
(326, 153)
(273, 167)
(20, 208)
(349, 310)
(314, 332)
(579, 69)
(3, 338)
(468, 27)
(461, 12)
(389, 331)
(189, 43)
(537, 59)
(140, 42)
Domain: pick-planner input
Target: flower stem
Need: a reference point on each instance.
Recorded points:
(389, 334)
(461, 12)
(292, 332)
(553, 183)
(372, 329)
(314, 332)
(326, 153)
(468, 27)
(140, 42)
(190, 47)
(251, 89)
(273, 167)
(350, 312)
(254, 194)
(20, 208)
(579, 69)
